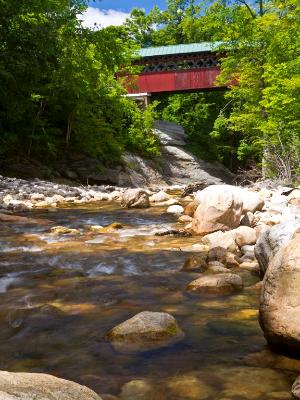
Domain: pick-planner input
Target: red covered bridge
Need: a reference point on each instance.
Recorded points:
(185, 67)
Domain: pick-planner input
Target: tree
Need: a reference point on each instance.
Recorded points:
(59, 89)
(263, 62)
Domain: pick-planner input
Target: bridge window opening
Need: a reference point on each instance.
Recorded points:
(177, 63)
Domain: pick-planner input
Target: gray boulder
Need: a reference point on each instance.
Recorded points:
(271, 240)
(280, 298)
(26, 386)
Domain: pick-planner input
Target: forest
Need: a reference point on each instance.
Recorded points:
(59, 91)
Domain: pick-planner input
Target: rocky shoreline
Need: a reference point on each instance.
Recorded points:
(254, 229)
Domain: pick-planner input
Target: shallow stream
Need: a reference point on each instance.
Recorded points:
(60, 294)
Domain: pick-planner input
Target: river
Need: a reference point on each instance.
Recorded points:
(60, 295)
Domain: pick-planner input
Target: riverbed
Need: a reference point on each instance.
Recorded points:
(61, 294)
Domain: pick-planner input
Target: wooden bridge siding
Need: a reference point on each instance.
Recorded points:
(174, 81)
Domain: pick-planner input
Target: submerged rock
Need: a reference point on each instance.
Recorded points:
(137, 389)
(145, 331)
(189, 387)
(251, 383)
(26, 386)
(280, 298)
(62, 230)
(218, 283)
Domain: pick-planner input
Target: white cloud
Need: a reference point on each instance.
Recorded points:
(102, 17)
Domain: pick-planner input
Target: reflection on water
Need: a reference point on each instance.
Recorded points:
(61, 294)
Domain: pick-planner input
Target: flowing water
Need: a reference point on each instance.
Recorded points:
(60, 295)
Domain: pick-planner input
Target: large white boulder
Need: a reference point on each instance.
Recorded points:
(219, 210)
(252, 201)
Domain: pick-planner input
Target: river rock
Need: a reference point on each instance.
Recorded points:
(296, 389)
(30, 386)
(217, 254)
(251, 266)
(159, 197)
(175, 209)
(232, 260)
(145, 331)
(135, 198)
(252, 201)
(271, 240)
(248, 219)
(63, 230)
(244, 235)
(185, 219)
(215, 267)
(250, 383)
(191, 208)
(37, 196)
(195, 262)
(218, 283)
(137, 389)
(17, 219)
(294, 197)
(280, 298)
(189, 387)
(220, 240)
(219, 210)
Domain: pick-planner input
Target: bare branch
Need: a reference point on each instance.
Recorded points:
(253, 15)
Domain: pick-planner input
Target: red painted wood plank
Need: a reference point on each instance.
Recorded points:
(173, 81)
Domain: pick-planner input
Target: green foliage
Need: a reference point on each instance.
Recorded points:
(261, 65)
(198, 114)
(143, 140)
(58, 84)
(263, 58)
(59, 89)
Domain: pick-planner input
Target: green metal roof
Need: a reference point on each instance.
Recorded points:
(178, 49)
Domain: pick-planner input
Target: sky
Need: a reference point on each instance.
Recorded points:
(114, 12)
